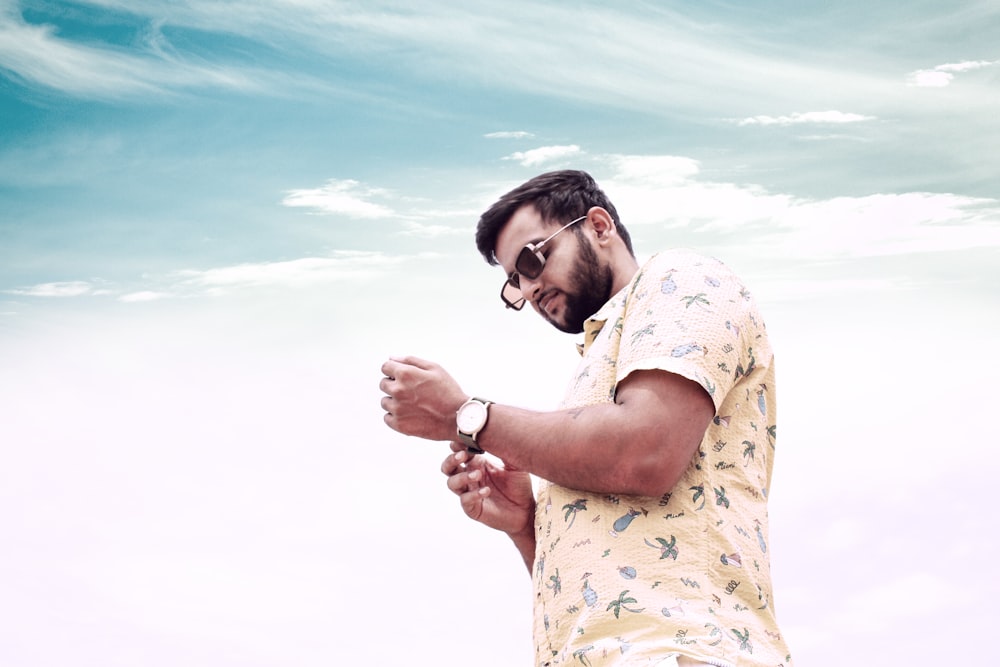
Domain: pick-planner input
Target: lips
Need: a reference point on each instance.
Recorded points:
(547, 300)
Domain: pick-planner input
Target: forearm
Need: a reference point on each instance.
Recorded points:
(639, 445)
(593, 449)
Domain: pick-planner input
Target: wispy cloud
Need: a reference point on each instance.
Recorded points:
(55, 289)
(38, 55)
(670, 192)
(543, 155)
(509, 135)
(411, 228)
(142, 296)
(659, 196)
(813, 117)
(340, 266)
(343, 197)
(943, 75)
(304, 272)
(666, 51)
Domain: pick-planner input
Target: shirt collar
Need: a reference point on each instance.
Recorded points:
(595, 324)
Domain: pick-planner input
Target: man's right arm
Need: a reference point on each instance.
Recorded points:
(640, 444)
(501, 498)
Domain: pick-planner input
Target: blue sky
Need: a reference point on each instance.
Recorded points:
(217, 219)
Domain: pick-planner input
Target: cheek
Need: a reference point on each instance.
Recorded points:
(559, 270)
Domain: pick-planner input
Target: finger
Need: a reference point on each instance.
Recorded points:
(452, 463)
(472, 501)
(416, 362)
(459, 483)
(465, 481)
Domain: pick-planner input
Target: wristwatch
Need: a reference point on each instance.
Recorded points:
(471, 419)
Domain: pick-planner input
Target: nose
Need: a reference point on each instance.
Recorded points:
(530, 289)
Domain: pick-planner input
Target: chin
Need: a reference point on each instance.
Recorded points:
(570, 327)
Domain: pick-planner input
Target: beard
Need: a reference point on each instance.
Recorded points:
(592, 283)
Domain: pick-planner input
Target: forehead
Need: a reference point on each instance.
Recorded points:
(525, 226)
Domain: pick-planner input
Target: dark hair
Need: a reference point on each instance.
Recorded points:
(558, 196)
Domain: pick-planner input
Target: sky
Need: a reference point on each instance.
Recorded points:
(218, 219)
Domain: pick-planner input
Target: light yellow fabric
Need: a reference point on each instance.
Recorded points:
(630, 580)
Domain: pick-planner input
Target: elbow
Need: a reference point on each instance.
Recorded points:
(652, 476)
(655, 468)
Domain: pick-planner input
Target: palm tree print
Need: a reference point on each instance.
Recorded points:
(744, 638)
(578, 505)
(748, 452)
(720, 496)
(699, 493)
(620, 603)
(752, 364)
(667, 549)
(619, 326)
(698, 299)
(581, 654)
(556, 584)
(648, 330)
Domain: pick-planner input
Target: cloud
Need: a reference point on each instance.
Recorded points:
(145, 295)
(509, 135)
(411, 228)
(700, 66)
(538, 156)
(828, 117)
(303, 272)
(942, 75)
(56, 289)
(37, 55)
(929, 79)
(344, 197)
(670, 193)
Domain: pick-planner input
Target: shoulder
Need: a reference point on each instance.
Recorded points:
(678, 271)
(684, 259)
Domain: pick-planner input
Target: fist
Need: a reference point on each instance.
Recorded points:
(421, 398)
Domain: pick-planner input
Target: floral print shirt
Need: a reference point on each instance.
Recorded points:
(627, 580)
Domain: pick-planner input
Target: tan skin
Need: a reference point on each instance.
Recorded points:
(639, 445)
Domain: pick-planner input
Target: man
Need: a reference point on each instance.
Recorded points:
(647, 541)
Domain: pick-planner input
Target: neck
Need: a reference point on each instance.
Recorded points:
(623, 270)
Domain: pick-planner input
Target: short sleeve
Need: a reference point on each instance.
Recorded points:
(688, 314)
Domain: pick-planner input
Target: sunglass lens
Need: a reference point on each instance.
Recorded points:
(529, 264)
(512, 296)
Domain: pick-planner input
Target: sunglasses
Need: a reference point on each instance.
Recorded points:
(530, 263)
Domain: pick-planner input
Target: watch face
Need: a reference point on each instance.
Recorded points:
(471, 417)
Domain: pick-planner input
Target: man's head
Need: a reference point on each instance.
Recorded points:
(565, 276)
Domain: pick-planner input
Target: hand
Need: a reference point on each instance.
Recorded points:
(421, 398)
(499, 497)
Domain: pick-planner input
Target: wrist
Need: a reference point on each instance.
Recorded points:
(470, 420)
(525, 534)
(525, 543)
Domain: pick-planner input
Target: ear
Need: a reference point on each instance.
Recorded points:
(601, 222)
